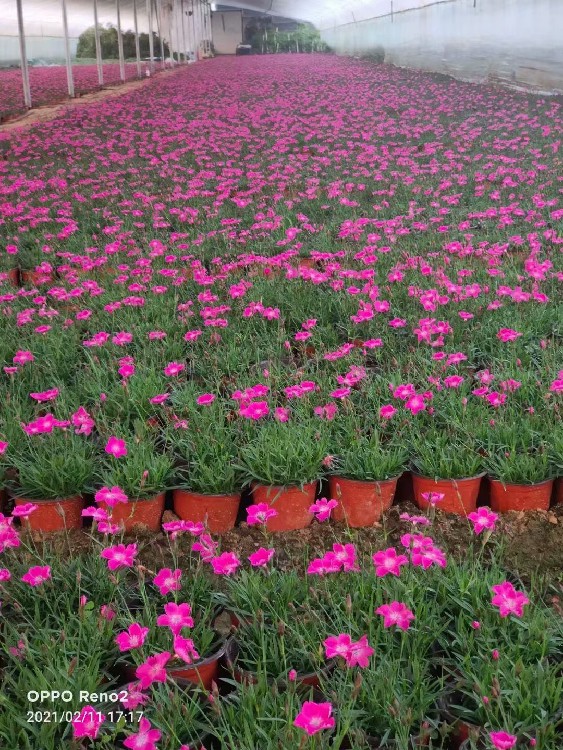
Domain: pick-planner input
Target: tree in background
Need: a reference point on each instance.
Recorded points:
(108, 41)
(265, 37)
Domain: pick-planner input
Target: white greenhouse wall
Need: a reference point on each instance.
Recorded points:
(227, 31)
(516, 42)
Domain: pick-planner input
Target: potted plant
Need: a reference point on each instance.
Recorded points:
(9, 273)
(198, 612)
(446, 471)
(207, 480)
(365, 474)
(52, 472)
(519, 466)
(519, 480)
(283, 463)
(143, 474)
(277, 629)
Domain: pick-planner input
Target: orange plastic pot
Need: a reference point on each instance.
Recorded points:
(13, 277)
(460, 495)
(505, 497)
(217, 512)
(361, 503)
(291, 503)
(35, 278)
(146, 513)
(54, 515)
(202, 673)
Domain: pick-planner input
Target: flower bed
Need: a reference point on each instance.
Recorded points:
(266, 288)
(402, 647)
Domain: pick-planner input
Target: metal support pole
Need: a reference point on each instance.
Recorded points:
(120, 42)
(161, 33)
(137, 45)
(151, 38)
(69, 78)
(23, 57)
(184, 30)
(99, 63)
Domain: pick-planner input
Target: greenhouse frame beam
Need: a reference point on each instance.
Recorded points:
(137, 45)
(23, 57)
(69, 76)
(99, 63)
(120, 42)
(151, 38)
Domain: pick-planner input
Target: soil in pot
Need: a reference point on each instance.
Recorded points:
(361, 503)
(460, 495)
(291, 503)
(217, 512)
(53, 515)
(506, 497)
(147, 513)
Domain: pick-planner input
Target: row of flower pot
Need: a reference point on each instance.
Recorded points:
(359, 503)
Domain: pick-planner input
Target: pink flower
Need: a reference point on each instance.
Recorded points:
(3, 447)
(5, 575)
(119, 556)
(341, 393)
(225, 564)
(415, 404)
(323, 508)
(337, 646)
(160, 398)
(483, 518)
(111, 496)
(23, 511)
(184, 649)
(87, 723)
(107, 612)
(44, 396)
(134, 697)
(433, 497)
(292, 675)
(508, 600)
(360, 653)
(259, 514)
(453, 381)
(261, 557)
(281, 414)
(502, 740)
(37, 575)
(206, 547)
(345, 556)
(205, 399)
(495, 398)
(508, 334)
(146, 738)
(388, 561)
(176, 617)
(387, 411)
(397, 614)
(133, 637)
(173, 369)
(152, 670)
(168, 580)
(255, 410)
(22, 356)
(426, 556)
(314, 717)
(116, 447)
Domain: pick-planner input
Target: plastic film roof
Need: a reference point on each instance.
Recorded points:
(40, 16)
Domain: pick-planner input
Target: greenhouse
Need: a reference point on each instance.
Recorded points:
(281, 424)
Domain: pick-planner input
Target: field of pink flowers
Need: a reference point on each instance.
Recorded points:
(49, 85)
(269, 290)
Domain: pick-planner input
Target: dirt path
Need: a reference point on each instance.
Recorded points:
(50, 111)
